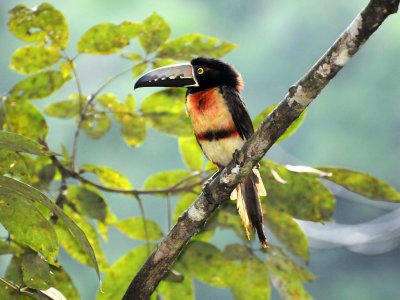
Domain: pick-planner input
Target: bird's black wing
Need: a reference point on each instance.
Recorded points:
(239, 112)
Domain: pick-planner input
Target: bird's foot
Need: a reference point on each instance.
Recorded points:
(206, 188)
(236, 157)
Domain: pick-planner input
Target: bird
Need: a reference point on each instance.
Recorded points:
(221, 123)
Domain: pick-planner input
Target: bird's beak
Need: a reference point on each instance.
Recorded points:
(170, 76)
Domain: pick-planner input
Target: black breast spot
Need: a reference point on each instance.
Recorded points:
(215, 135)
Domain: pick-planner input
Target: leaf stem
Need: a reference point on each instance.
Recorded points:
(169, 213)
(146, 231)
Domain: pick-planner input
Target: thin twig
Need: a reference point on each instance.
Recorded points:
(146, 230)
(82, 114)
(176, 188)
(169, 209)
(105, 84)
(81, 110)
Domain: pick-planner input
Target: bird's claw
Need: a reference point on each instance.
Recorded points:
(235, 157)
(206, 188)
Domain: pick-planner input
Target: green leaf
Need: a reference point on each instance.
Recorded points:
(19, 143)
(66, 69)
(132, 56)
(155, 31)
(262, 115)
(30, 59)
(288, 232)
(22, 117)
(123, 269)
(183, 204)
(362, 184)
(287, 275)
(176, 290)
(96, 125)
(165, 180)
(134, 228)
(247, 280)
(163, 62)
(38, 86)
(133, 127)
(193, 45)
(139, 69)
(15, 164)
(40, 24)
(64, 283)
(198, 255)
(14, 187)
(13, 275)
(47, 173)
(109, 177)
(237, 252)
(165, 111)
(107, 38)
(229, 218)
(9, 248)
(87, 201)
(292, 128)
(75, 247)
(36, 272)
(303, 196)
(191, 152)
(26, 223)
(250, 281)
(63, 109)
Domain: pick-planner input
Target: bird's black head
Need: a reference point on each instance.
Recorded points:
(211, 72)
(202, 73)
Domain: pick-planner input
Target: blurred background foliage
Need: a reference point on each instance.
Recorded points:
(354, 123)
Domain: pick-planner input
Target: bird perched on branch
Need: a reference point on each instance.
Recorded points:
(221, 123)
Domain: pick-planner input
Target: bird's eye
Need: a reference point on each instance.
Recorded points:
(200, 71)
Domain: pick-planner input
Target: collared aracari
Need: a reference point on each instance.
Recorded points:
(221, 123)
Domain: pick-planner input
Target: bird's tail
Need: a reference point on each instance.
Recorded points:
(249, 206)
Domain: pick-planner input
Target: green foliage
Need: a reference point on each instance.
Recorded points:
(42, 25)
(288, 232)
(109, 177)
(63, 109)
(30, 59)
(36, 272)
(164, 180)
(154, 32)
(48, 201)
(19, 143)
(292, 128)
(132, 125)
(362, 184)
(75, 246)
(123, 269)
(107, 38)
(191, 153)
(139, 229)
(22, 117)
(87, 201)
(38, 86)
(301, 195)
(192, 45)
(287, 275)
(35, 231)
(165, 111)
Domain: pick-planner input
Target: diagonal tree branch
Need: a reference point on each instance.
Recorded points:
(295, 102)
